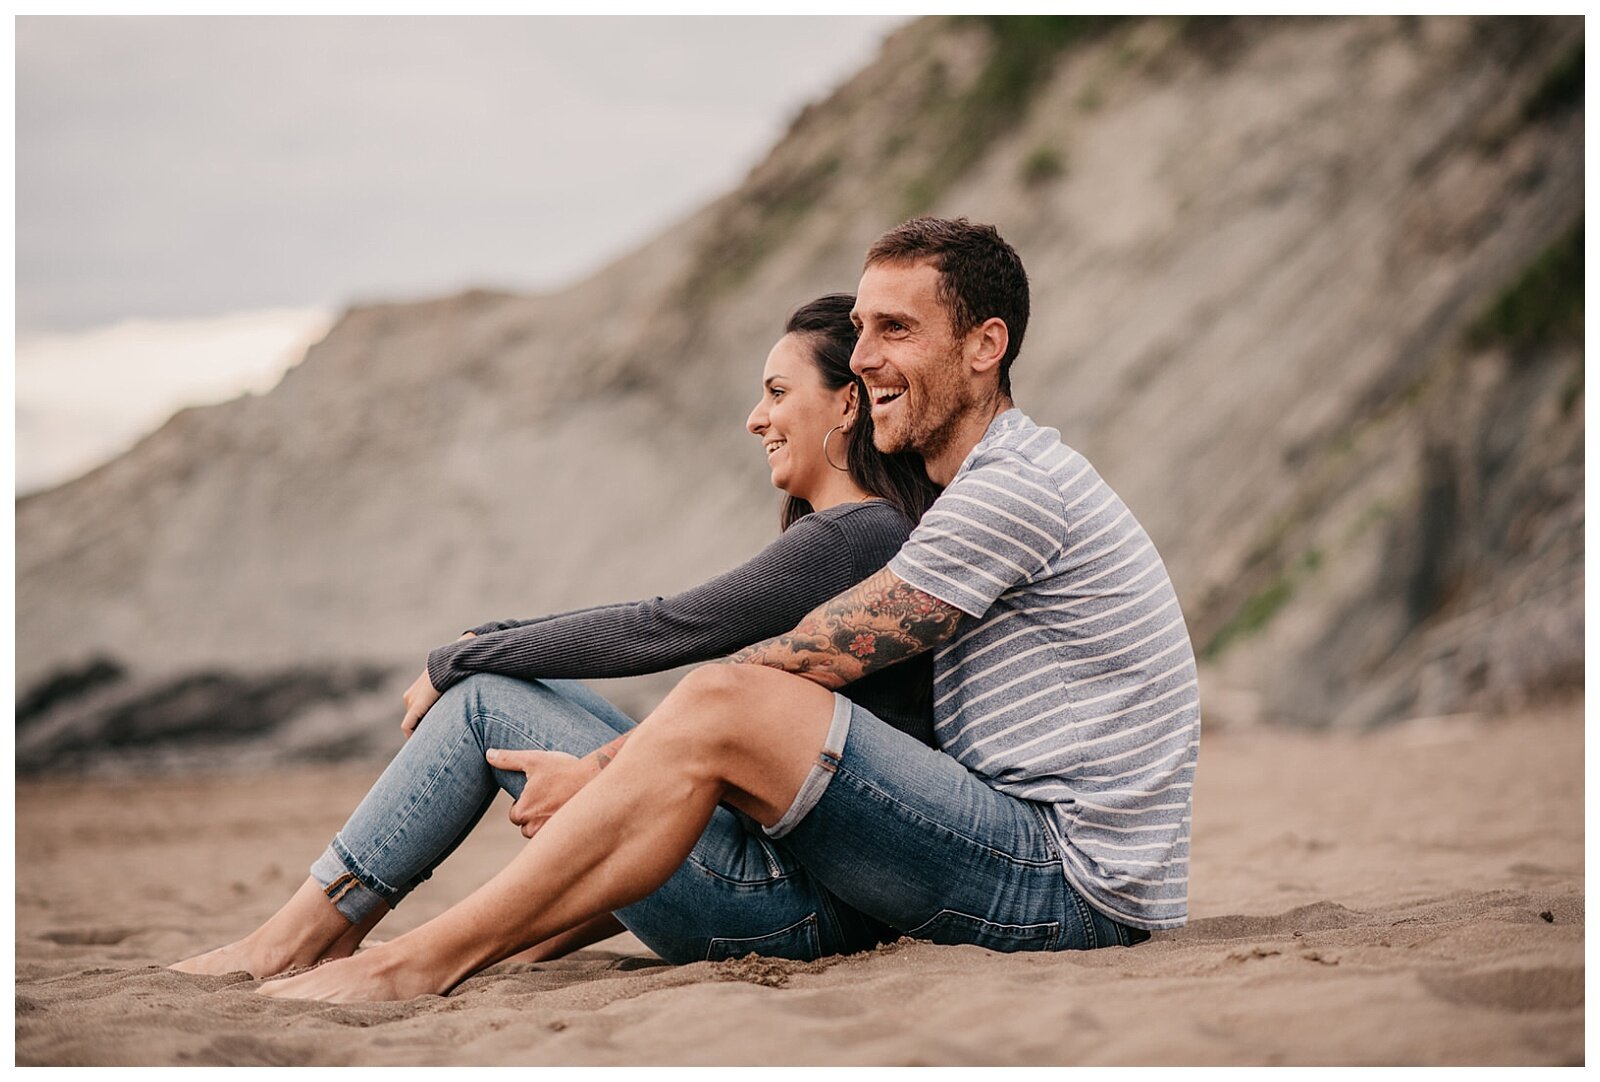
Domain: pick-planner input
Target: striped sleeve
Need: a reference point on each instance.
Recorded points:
(998, 525)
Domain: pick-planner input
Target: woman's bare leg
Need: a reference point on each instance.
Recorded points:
(347, 944)
(307, 930)
(443, 759)
(741, 734)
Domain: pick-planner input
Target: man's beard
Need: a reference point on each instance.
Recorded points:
(936, 424)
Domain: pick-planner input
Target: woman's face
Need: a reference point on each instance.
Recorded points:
(795, 413)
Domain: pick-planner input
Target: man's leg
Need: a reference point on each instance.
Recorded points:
(907, 834)
(743, 735)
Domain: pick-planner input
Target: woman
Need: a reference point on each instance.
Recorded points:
(847, 511)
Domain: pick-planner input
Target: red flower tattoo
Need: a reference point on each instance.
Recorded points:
(861, 645)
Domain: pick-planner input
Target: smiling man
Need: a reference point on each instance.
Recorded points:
(1054, 813)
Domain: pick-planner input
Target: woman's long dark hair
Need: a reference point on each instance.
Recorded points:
(901, 479)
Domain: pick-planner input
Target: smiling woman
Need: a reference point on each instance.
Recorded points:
(797, 415)
(836, 440)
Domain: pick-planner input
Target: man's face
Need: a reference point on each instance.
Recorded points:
(918, 384)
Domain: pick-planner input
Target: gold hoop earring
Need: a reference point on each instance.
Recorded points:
(825, 440)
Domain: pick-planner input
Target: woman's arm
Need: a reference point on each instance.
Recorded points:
(811, 562)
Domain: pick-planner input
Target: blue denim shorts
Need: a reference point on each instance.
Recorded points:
(887, 837)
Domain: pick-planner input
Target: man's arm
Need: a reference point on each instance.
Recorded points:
(871, 626)
(868, 627)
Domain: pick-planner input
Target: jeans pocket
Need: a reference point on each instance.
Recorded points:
(799, 941)
(952, 928)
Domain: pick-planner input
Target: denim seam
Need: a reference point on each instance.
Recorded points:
(826, 907)
(344, 890)
(418, 798)
(809, 918)
(745, 884)
(481, 716)
(1086, 917)
(360, 871)
(1052, 926)
(822, 772)
(770, 858)
(471, 735)
(912, 813)
(1047, 830)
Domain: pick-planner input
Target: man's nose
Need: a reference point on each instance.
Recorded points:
(863, 358)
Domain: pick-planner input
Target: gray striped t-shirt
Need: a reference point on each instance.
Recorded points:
(1072, 680)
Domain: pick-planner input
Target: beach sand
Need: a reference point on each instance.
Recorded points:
(1413, 895)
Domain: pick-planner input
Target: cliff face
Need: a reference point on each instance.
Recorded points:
(1304, 291)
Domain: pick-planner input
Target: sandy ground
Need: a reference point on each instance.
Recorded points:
(1409, 896)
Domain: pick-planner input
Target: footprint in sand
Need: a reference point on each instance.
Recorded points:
(88, 937)
(1551, 988)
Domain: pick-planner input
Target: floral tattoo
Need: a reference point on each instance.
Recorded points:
(878, 623)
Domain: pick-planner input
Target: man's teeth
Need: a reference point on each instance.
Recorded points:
(880, 398)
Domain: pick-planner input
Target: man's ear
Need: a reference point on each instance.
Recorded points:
(987, 344)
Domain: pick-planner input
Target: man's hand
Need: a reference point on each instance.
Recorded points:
(553, 777)
(421, 695)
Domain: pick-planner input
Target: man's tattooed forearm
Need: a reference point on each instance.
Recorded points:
(877, 624)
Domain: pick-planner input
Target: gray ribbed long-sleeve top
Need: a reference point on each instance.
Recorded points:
(819, 557)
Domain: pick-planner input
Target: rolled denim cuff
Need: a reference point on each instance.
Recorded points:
(350, 894)
(821, 772)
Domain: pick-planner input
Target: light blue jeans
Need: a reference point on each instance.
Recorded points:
(886, 837)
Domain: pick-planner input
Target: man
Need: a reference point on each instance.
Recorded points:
(1056, 814)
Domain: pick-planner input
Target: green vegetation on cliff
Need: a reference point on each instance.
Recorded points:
(1024, 52)
(1544, 304)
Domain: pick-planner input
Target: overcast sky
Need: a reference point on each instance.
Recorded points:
(198, 196)
(192, 166)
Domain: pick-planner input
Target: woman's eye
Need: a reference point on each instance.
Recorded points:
(777, 393)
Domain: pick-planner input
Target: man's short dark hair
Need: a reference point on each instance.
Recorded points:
(980, 275)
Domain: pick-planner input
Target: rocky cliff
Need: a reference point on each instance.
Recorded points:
(1307, 291)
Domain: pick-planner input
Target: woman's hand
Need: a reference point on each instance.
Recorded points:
(419, 699)
(553, 777)
(421, 695)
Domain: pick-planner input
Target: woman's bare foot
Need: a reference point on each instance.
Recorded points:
(375, 975)
(237, 957)
(307, 930)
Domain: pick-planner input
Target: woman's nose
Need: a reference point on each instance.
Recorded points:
(757, 421)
